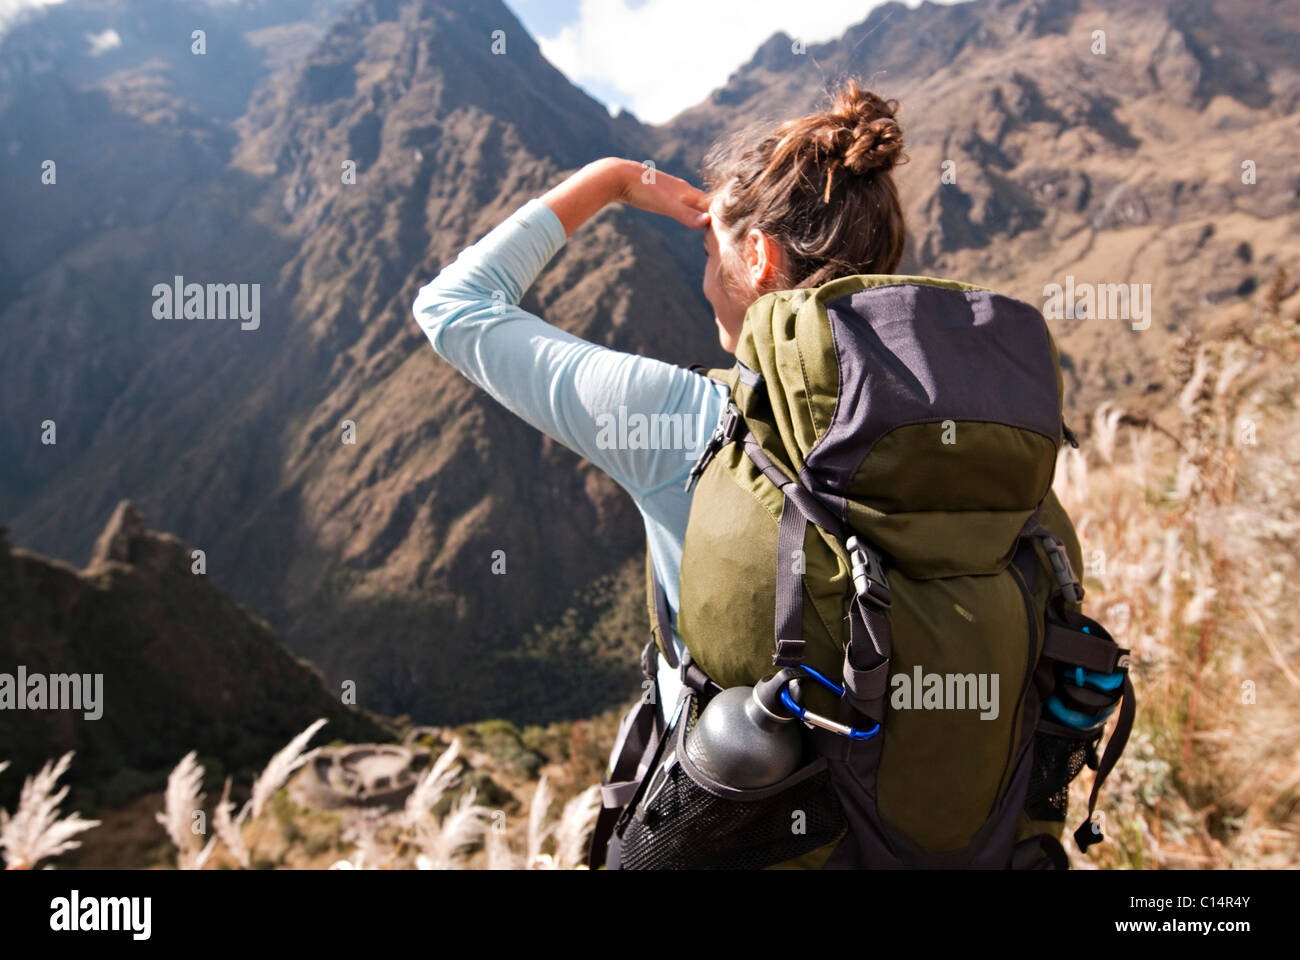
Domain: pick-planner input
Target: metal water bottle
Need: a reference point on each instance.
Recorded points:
(745, 738)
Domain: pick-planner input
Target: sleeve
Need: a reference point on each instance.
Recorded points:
(637, 419)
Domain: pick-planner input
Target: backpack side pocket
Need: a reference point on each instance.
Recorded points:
(684, 820)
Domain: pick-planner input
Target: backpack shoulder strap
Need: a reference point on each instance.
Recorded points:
(660, 616)
(720, 374)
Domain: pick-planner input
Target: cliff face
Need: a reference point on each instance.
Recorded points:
(374, 559)
(161, 661)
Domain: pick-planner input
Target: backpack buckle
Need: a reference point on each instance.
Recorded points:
(789, 653)
(727, 427)
(869, 574)
(1070, 586)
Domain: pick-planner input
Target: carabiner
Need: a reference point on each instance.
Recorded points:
(816, 719)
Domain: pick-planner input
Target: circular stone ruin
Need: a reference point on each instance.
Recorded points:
(363, 775)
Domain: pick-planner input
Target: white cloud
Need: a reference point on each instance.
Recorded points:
(11, 9)
(103, 42)
(662, 56)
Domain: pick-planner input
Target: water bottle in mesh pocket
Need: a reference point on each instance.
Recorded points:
(1067, 735)
(1057, 761)
(684, 820)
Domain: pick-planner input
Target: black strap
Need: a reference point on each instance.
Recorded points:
(1094, 650)
(865, 687)
(615, 795)
(640, 732)
(1071, 638)
(1026, 561)
(866, 659)
(871, 640)
(638, 737)
(1089, 832)
(695, 678)
(789, 587)
(663, 620)
(804, 499)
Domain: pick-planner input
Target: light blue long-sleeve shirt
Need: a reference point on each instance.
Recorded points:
(640, 420)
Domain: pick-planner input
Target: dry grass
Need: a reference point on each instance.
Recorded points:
(36, 831)
(1190, 537)
(182, 802)
(382, 840)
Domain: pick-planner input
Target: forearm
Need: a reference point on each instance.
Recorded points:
(584, 194)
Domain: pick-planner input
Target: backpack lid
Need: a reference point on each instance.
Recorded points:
(928, 410)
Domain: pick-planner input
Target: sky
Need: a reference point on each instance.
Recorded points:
(655, 58)
(658, 57)
(11, 8)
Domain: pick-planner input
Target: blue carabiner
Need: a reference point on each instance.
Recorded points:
(816, 719)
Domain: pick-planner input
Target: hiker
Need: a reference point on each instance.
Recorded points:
(871, 511)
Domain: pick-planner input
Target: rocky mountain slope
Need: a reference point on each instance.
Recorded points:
(1103, 141)
(180, 667)
(373, 559)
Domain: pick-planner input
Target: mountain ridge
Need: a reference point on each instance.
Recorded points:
(179, 667)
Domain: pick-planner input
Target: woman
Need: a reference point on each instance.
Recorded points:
(792, 207)
(923, 418)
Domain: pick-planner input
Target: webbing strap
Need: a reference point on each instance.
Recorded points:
(1065, 644)
(1088, 832)
(871, 642)
(638, 737)
(663, 620)
(695, 678)
(865, 688)
(642, 733)
(616, 795)
(789, 586)
(866, 659)
(812, 508)
(1026, 561)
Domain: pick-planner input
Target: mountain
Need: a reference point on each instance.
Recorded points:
(373, 559)
(1099, 140)
(180, 667)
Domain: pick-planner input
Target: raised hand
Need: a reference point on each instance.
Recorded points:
(649, 189)
(613, 179)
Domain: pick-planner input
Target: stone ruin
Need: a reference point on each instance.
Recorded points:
(362, 775)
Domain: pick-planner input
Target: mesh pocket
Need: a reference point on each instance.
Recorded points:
(1057, 761)
(681, 825)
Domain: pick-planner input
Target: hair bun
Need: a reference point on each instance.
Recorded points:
(861, 131)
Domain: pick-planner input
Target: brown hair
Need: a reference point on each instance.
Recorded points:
(819, 185)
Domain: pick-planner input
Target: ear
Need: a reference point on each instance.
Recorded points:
(763, 257)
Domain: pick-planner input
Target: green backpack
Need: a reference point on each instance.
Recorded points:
(873, 515)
